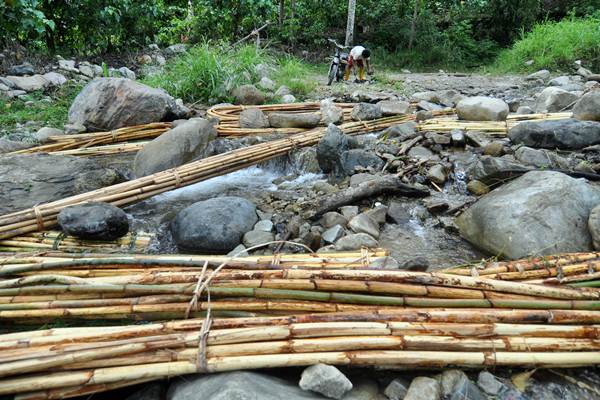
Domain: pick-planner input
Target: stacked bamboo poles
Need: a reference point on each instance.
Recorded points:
(56, 240)
(95, 143)
(66, 362)
(497, 128)
(44, 216)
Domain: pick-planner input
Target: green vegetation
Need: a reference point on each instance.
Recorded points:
(49, 112)
(296, 75)
(554, 45)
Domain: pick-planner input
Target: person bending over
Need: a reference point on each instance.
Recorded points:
(358, 56)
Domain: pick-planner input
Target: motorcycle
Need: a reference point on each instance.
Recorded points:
(338, 63)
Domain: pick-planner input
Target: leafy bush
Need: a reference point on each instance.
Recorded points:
(554, 45)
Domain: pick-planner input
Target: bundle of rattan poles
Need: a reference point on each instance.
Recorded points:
(101, 142)
(137, 242)
(43, 216)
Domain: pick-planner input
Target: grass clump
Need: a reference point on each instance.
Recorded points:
(555, 46)
(296, 75)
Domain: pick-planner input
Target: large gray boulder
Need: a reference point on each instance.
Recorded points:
(182, 144)
(238, 385)
(94, 221)
(570, 134)
(481, 108)
(110, 103)
(588, 107)
(490, 170)
(29, 83)
(27, 180)
(554, 99)
(542, 212)
(329, 149)
(214, 226)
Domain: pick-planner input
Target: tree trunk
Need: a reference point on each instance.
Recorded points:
(293, 8)
(350, 24)
(413, 25)
(281, 13)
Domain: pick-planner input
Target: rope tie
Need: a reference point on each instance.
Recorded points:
(114, 136)
(201, 360)
(57, 241)
(365, 257)
(132, 241)
(39, 219)
(276, 260)
(177, 177)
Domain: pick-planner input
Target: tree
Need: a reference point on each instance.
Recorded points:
(350, 23)
(413, 24)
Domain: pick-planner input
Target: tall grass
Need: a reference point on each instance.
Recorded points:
(554, 45)
(296, 75)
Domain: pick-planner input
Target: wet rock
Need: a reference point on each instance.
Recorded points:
(378, 214)
(366, 112)
(329, 148)
(362, 223)
(594, 226)
(435, 204)
(238, 385)
(264, 225)
(253, 118)
(494, 149)
(21, 69)
(542, 74)
(29, 83)
(357, 158)
(44, 134)
(562, 134)
(330, 113)
(489, 383)
(423, 388)
(492, 170)
(214, 225)
(397, 213)
(397, 389)
(467, 390)
(255, 237)
(482, 108)
(349, 212)
(421, 153)
(541, 158)
(437, 174)
(332, 234)
(305, 160)
(548, 214)
(588, 107)
(266, 84)
(301, 120)
(175, 147)
(458, 138)
(525, 110)
(94, 221)
(478, 188)
(363, 389)
(325, 379)
(449, 380)
(355, 242)
(110, 103)
(405, 131)
(559, 81)
(393, 107)
(288, 99)
(554, 99)
(248, 95)
(332, 218)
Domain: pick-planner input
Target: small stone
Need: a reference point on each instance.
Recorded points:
(494, 149)
(405, 131)
(96, 221)
(332, 234)
(357, 179)
(282, 91)
(478, 188)
(541, 74)
(523, 110)
(423, 115)
(489, 384)
(362, 223)
(397, 389)
(448, 380)
(437, 174)
(324, 187)
(482, 108)
(238, 251)
(266, 84)
(349, 212)
(330, 113)
(248, 95)
(325, 379)
(254, 238)
(464, 389)
(71, 129)
(288, 99)
(435, 205)
(332, 218)
(423, 388)
(378, 214)
(264, 225)
(458, 138)
(394, 107)
(438, 139)
(21, 69)
(44, 134)
(356, 242)
(421, 153)
(366, 112)
(428, 106)
(559, 81)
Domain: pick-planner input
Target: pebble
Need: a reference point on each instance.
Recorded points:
(254, 238)
(332, 218)
(397, 389)
(437, 174)
(264, 225)
(362, 223)
(325, 379)
(378, 214)
(423, 388)
(349, 211)
(332, 234)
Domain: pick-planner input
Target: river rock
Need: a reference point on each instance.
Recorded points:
(588, 107)
(356, 242)
(264, 225)
(329, 148)
(349, 212)
(288, 99)
(489, 383)
(491, 170)
(394, 107)
(525, 110)
(478, 188)
(301, 120)
(458, 138)
(330, 113)
(175, 49)
(256, 237)
(548, 214)
(362, 223)
(39, 178)
(282, 91)
(422, 153)
(177, 146)
(266, 84)
(43, 134)
(466, 390)
(423, 388)
(94, 221)
(482, 108)
(55, 79)
(332, 218)
(378, 214)
(554, 99)
(253, 118)
(437, 174)
(402, 132)
(29, 83)
(541, 158)
(570, 134)
(110, 103)
(21, 69)
(214, 225)
(594, 226)
(397, 389)
(542, 74)
(495, 149)
(358, 158)
(238, 385)
(325, 379)
(364, 389)
(428, 106)
(127, 73)
(332, 234)
(448, 380)
(248, 95)
(559, 81)
(8, 146)
(366, 112)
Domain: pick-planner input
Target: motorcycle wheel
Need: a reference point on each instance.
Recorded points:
(333, 71)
